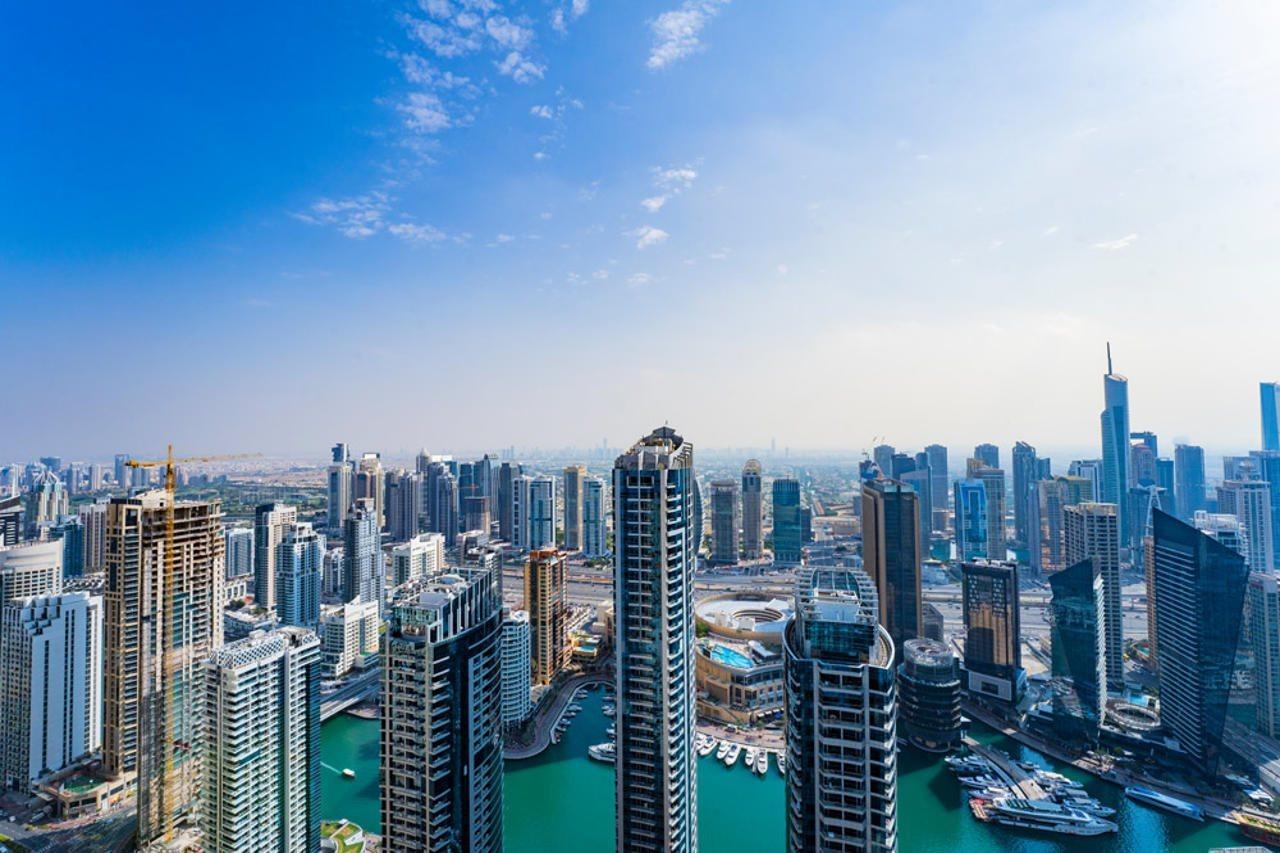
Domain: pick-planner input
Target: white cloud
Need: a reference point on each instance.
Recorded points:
(654, 204)
(639, 279)
(1116, 245)
(425, 113)
(355, 217)
(541, 111)
(647, 235)
(507, 33)
(503, 238)
(520, 68)
(1051, 230)
(675, 33)
(541, 155)
(412, 233)
(580, 7)
(600, 275)
(671, 181)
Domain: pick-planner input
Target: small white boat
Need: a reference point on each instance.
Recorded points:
(762, 762)
(782, 763)
(723, 750)
(348, 772)
(751, 757)
(706, 746)
(609, 710)
(605, 752)
(732, 758)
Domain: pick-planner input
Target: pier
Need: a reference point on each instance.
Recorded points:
(1018, 780)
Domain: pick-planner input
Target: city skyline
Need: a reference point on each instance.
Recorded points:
(600, 163)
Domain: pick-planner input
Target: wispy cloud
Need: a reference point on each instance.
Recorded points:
(639, 279)
(647, 235)
(566, 12)
(676, 33)
(1116, 245)
(670, 182)
(362, 216)
(541, 111)
(413, 233)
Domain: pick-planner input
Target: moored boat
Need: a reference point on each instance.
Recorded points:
(1259, 828)
(762, 762)
(1164, 801)
(732, 758)
(723, 750)
(605, 752)
(1045, 816)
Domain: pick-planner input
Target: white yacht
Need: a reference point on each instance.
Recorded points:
(734, 751)
(706, 745)
(723, 750)
(782, 762)
(762, 762)
(1046, 816)
(751, 757)
(983, 781)
(606, 752)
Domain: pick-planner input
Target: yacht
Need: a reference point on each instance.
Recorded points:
(706, 746)
(751, 757)
(723, 750)
(983, 781)
(1046, 816)
(1055, 780)
(1164, 801)
(348, 772)
(611, 732)
(968, 764)
(762, 762)
(734, 751)
(609, 710)
(605, 752)
(1086, 804)
(782, 762)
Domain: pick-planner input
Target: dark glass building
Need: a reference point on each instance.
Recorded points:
(787, 533)
(929, 694)
(1078, 636)
(891, 556)
(992, 646)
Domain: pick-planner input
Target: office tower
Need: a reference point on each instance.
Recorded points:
(992, 480)
(93, 518)
(486, 476)
(1091, 532)
(1200, 591)
(74, 478)
(11, 522)
(573, 477)
(1270, 399)
(348, 636)
(442, 716)
(1225, 528)
(270, 521)
(786, 522)
(1115, 444)
(516, 668)
(937, 456)
(97, 477)
(341, 488)
(921, 482)
(370, 484)
(362, 555)
(70, 532)
(891, 556)
(444, 504)
(404, 505)
(46, 502)
(882, 455)
(1188, 466)
(1266, 463)
(50, 684)
(475, 515)
(261, 786)
(929, 696)
(1264, 631)
(841, 729)
(154, 708)
(1078, 635)
(724, 522)
(33, 568)
(1026, 471)
(1055, 495)
(992, 623)
(971, 519)
(595, 534)
(899, 464)
(121, 471)
(299, 574)
(987, 454)
(934, 623)
(420, 557)
(806, 525)
(656, 769)
(542, 513)
(1250, 501)
(1091, 470)
(752, 511)
(1233, 467)
(521, 498)
(238, 545)
(507, 474)
(545, 600)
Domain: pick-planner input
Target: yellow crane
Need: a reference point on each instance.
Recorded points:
(170, 466)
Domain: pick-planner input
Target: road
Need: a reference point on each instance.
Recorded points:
(354, 691)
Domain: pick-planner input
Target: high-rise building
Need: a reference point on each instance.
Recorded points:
(270, 521)
(787, 537)
(993, 636)
(47, 501)
(370, 484)
(891, 556)
(656, 768)
(1250, 501)
(1269, 393)
(154, 709)
(1026, 471)
(1091, 531)
(882, 455)
(341, 488)
(752, 511)
(1055, 495)
(841, 729)
(930, 693)
(573, 485)
(238, 544)
(1188, 475)
(595, 534)
(50, 684)
(442, 716)
(1264, 631)
(363, 572)
(33, 568)
(1200, 592)
(93, 518)
(507, 474)
(1078, 635)
(1266, 463)
(444, 504)
(12, 526)
(516, 668)
(97, 477)
(724, 522)
(475, 515)
(348, 636)
(992, 480)
(921, 482)
(542, 513)
(261, 786)
(299, 575)
(545, 600)
(404, 505)
(937, 456)
(970, 524)
(988, 455)
(420, 557)
(1115, 444)
(1225, 528)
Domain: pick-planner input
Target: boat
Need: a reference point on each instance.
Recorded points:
(1088, 805)
(574, 708)
(1045, 816)
(1266, 830)
(706, 746)
(348, 772)
(605, 752)
(751, 757)
(967, 764)
(983, 781)
(1164, 801)
(782, 763)
(609, 710)
(723, 750)
(612, 731)
(1049, 778)
(732, 758)
(762, 762)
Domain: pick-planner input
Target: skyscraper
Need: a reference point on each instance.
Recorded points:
(987, 454)
(595, 535)
(299, 568)
(937, 456)
(516, 668)
(442, 716)
(420, 557)
(545, 600)
(341, 488)
(270, 521)
(840, 726)
(921, 482)
(1264, 631)
(930, 693)
(1188, 475)
(404, 505)
(1056, 494)
(47, 501)
(33, 568)
(1200, 591)
(370, 484)
(93, 517)
(752, 512)
(1267, 465)
(507, 473)
(1091, 532)
(1270, 398)
(1115, 443)
(1078, 635)
(238, 546)
(891, 556)
(882, 455)
(362, 555)
(786, 522)
(573, 485)
(992, 480)
(154, 709)
(971, 519)
(656, 768)
(1026, 474)
(993, 634)
(11, 522)
(1250, 501)
(724, 522)
(542, 513)
(261, 786)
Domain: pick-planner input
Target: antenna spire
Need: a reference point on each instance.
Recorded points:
(1109, 370)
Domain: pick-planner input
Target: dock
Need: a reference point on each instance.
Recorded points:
(1018, 780)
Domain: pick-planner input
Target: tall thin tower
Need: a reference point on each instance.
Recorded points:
(1115, 444)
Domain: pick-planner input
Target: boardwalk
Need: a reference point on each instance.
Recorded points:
(549, 713)
(1018, 780)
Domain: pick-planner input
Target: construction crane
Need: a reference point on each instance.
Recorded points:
(167, 662)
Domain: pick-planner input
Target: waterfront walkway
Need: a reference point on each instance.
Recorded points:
(1013, 776)
(549, 713)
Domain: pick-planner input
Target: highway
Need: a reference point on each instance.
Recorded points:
(354, 691)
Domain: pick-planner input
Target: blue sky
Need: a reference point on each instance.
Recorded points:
(471, 224)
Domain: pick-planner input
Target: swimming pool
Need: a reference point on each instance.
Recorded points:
(730, 657)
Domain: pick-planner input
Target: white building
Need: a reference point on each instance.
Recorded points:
(32, 568)
(348, 636)
(262, 702)
(517, 674)
(420, 557)
(50, 684)
(1250, 501)
(93, 520)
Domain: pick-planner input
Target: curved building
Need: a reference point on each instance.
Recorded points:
(929, 694)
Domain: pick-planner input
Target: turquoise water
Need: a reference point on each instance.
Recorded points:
(561, 800)
(730, 657)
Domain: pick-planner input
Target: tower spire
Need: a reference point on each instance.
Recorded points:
(1109, 370)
